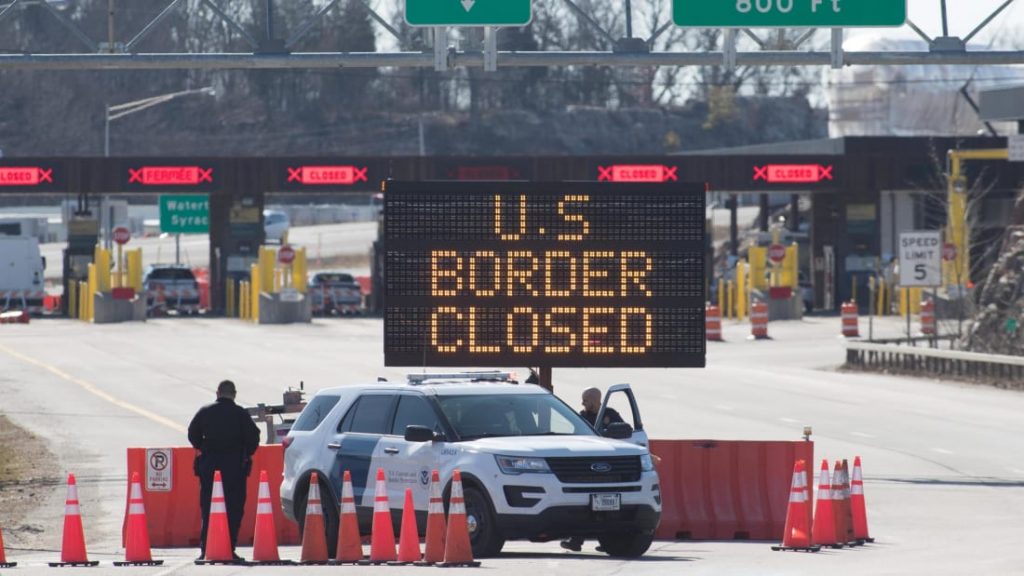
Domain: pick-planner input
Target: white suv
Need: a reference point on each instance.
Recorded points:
(532, 468)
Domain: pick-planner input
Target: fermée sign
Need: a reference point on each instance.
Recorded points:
(544, 274)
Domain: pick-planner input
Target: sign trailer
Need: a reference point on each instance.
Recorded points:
(544, 274)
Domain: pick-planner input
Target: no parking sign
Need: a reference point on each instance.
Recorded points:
(159, 470)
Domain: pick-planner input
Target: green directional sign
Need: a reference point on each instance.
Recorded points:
(467, 12)
(788, 13)
(185, 213)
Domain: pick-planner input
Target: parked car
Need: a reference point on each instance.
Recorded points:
(335, 293)
(532, 468)
(171, 288)
(275, 226)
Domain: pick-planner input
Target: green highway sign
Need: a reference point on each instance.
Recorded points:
(185, 213)
(467, 12)
(788, 13)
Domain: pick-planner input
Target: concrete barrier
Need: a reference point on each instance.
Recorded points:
(107, 310)
(276, 310)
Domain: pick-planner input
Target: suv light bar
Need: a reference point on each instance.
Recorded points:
(492, 375)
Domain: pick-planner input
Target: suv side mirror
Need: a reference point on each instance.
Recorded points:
(414, 433)
(618, 431)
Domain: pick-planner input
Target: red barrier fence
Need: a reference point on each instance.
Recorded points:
(725, 490)
(173, 515)
(710, 489)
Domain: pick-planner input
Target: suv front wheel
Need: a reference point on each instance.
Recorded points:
(626, 544)
(483, 529)
(330, 511)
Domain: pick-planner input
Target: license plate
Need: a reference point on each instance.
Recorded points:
(605, 502)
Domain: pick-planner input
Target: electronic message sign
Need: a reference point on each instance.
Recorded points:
(543, 274)
(32, 177)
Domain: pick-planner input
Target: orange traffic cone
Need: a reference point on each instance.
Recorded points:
(218, 538)
(797, 535)
(350, 547)
(434, 551)
(3, 558)
(457, 549)
(409, 543)
(823, 532)
(314, 541)
(382, 542)
(136, 547)
(72, 551)
(264, 540)
(838, 510)
(847, 508)
(860, 511)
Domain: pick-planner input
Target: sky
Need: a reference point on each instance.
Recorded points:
(963, 17)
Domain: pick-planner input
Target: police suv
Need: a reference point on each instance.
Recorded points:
(532, 468)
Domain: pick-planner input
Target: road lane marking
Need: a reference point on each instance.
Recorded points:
(92, 389)
(862, 434)
(789, 420)
(941, 451)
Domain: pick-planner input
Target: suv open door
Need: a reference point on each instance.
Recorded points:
(637, 435)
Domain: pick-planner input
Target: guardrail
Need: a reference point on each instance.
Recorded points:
(954, 363)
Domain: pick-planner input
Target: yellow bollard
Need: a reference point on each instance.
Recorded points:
(134, 269)
(243, 300)
(229, 298)
(731, 300)
(254, 294)
(757, 257)
(265, 279)
(103, 279)
(80, 291)
(721, 296)
(299, 275)
(741, 290)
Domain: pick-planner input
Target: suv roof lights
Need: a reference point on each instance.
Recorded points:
(483, 376)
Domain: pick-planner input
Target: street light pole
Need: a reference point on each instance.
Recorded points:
(122, 110)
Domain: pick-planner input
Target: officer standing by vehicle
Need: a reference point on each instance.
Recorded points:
(591, 406)
(226, 438)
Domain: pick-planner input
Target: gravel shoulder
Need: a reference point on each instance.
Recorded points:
(28, 472)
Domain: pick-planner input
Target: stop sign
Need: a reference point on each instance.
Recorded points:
(286, 254)
(948, 251)
(776, 253)
(122, 235)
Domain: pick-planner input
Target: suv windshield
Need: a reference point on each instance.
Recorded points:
(170, 274)
(480, 416)
(333, 279)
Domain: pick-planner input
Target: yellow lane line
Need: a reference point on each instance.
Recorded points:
(92, 389)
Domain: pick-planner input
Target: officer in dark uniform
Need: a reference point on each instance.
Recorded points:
(226, 438)
(591, 406)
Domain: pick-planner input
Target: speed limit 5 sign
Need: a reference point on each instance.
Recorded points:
(921, 258)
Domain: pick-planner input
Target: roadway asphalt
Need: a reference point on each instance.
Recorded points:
(323, 241)
(943, 461)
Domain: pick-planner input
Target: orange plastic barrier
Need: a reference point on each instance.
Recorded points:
(173, 517)
(713, 323)
(850, 326)
(203, 281)
(759, 321)
(365, 284)
(927, 317)
(727, 489)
